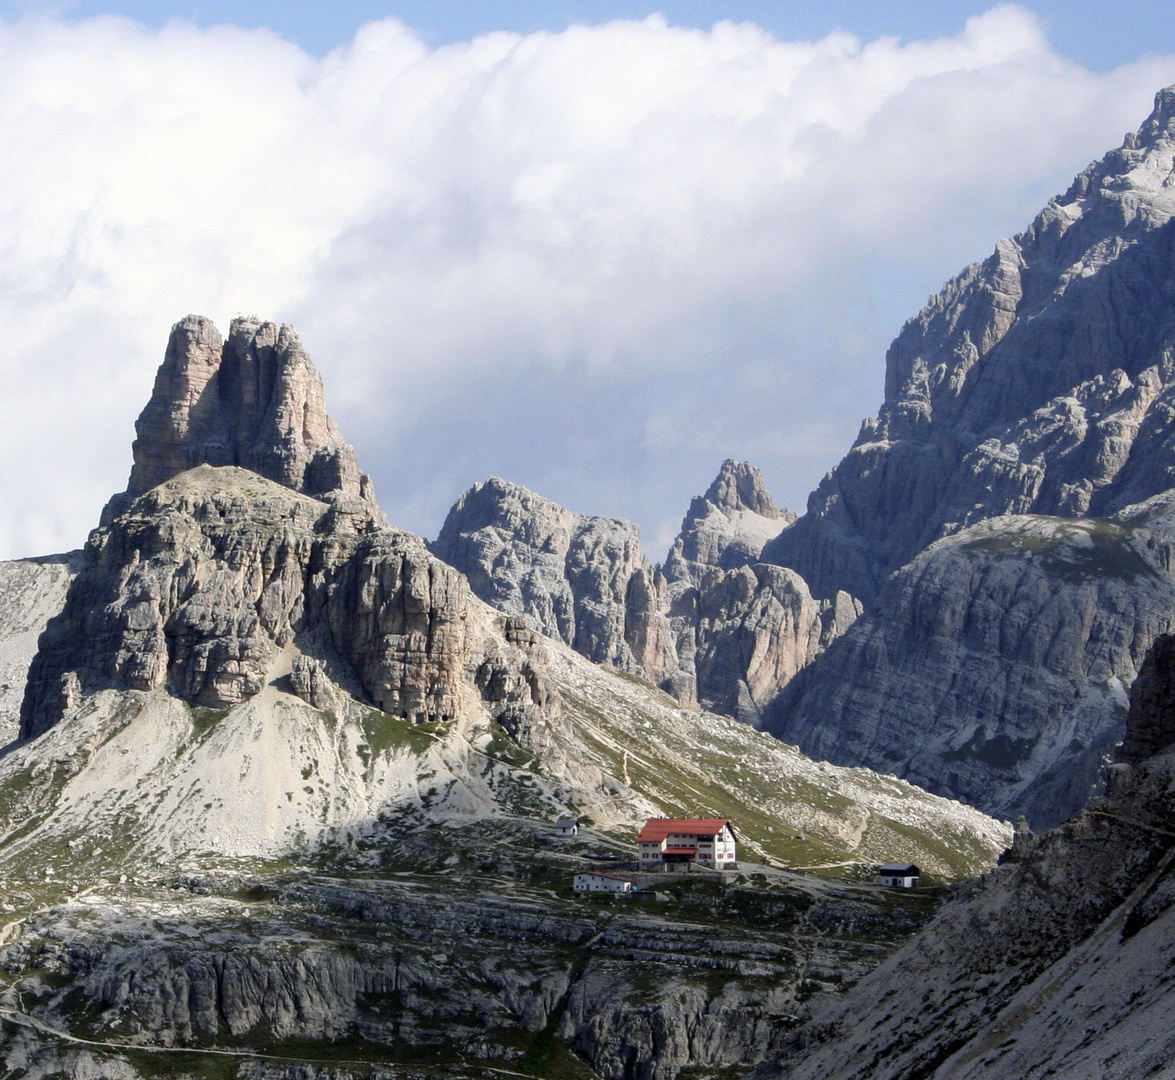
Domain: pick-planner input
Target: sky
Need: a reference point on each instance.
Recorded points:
(587, 247)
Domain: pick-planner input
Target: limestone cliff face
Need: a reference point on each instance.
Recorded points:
(994, 667)
(32, 591)
(1057, 963)
(204, 583)
(728, 526)
(1040, 381)
(255, 401)
(713, 628)
(526, 555)
(248, 547)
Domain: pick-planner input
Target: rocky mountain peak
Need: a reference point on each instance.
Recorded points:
(710, 628)
(1136, 179)
(727, 527)
(739, 485)
(529, 556)
(254, 400)
(1161, 122)
(1036, 382)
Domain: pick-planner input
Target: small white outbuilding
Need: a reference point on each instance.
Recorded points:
(567, 826)
(899, 875)
(601, 883)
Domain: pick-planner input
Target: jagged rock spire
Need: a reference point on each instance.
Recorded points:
(254, 401)
(728, 526)
(739, 485)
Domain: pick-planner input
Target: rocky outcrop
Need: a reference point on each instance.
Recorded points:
(1040, 381)
(728, 526)
(32, 591)
(459, 970)
(758, 627)
(254, 400)
(994, 666)
(1055, 964)
(526, 555)
(286, 788)
(223, 626)
(202, 584)
(713, 628)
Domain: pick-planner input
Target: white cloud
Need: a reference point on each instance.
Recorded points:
(596, 261)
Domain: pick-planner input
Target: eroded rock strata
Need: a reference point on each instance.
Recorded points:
(205, 583)
(284, 796)
(994, 666)
(253, 400)
(728, 526)
(1057, 963)
(1039, 381)
(714, 627)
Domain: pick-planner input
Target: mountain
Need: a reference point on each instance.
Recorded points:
(713, 628)
(727, 527)
(283, 792)
(994, 666)
(32, 591)
(1039, 381)
(255, 401)
(1001, 525)
(1004, 520)
(1057, 963)
(567, 572)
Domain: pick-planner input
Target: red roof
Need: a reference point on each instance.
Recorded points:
(657, 828)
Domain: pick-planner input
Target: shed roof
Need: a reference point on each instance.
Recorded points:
(657, 828)
(610, 877)
(902, 869)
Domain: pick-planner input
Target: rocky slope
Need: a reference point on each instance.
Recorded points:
(569, 574)
(32, 591)
(1037, 382)
(460, 955)
(994, 666)
(244, 669)
(713, 628)
(1055, 964)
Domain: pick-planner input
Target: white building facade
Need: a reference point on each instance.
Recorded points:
(601, 883)
(899, 875)
(678, 843)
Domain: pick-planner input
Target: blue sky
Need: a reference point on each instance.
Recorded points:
(1095, 33)
(594, 260)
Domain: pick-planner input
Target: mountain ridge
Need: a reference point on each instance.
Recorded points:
(1036, 381)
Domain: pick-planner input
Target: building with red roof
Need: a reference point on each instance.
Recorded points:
(667, 843)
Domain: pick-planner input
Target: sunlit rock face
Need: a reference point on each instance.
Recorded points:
(204, 580)
(1041, 381)
(714, 628)
(728, 526)
(994, 666)
(248, 548)
(254, 400)
(567, 572)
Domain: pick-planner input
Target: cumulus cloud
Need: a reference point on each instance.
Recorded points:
(596, 262)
